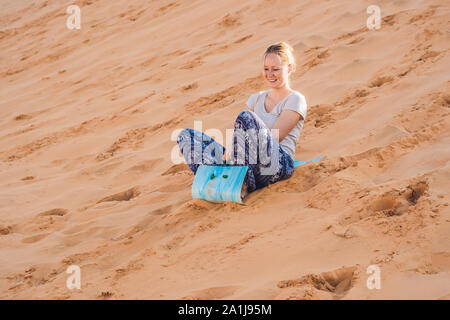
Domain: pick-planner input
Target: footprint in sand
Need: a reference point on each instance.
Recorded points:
(244, 38)
(190, 86)
(397, 203)
(22, 117)
(144, 166)
(50, 220)
(379, 81)
(122, 196)
(212, 293)
(144, 223)
(35, 238)
(105, 294)
(337, 282)
(177, 169)
(192, 64)
(161, 211)
(320, 115)
(6, 230)
(434, 263)
(164, 9)
(229, 20)
(238, 245)
(54, 212)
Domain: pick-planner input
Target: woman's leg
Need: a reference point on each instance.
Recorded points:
(259, 150)
(198, 148)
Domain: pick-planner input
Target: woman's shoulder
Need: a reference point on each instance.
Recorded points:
(297, 94)
(255, 96)
(296, 102)
(297, 97)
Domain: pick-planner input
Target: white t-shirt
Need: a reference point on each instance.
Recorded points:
(294, 101)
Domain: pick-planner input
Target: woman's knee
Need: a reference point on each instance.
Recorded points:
(247, 119)
(187, 134)
(245, 115)
(184, 134)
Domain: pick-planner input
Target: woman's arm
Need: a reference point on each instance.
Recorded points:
(286, 122)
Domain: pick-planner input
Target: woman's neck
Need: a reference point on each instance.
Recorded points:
(280, 93)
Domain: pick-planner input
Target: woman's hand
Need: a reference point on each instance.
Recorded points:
(227, 154)
(286, 122)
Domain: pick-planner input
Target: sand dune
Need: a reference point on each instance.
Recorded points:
(86, 118)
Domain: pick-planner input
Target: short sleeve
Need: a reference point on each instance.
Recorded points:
(297, 103)
(252, 101)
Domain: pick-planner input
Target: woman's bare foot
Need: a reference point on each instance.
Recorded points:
(244, 191)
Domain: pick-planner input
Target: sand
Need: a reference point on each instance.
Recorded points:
(86, 118)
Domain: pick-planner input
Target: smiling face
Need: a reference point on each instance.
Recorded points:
(276, 72)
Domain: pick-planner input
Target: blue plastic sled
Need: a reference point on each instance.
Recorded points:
(224, 183)
(219, 183)
(299, 163)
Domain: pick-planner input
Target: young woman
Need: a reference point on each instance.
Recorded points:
(279, 108)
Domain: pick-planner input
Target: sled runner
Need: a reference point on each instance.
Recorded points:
(299, 163)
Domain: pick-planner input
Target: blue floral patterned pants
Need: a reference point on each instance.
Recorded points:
(253, 146)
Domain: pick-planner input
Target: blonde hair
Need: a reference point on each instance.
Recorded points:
(284, 51)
